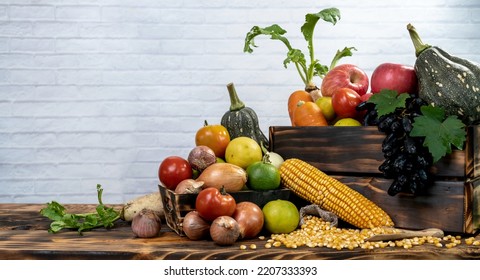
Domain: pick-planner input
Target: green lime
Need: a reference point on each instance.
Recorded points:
(263, 176)
(280, 216)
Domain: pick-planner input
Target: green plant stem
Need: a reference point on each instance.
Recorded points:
(302, 76)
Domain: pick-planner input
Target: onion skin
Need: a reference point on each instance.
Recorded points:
(146, 224)
(195, 227)
(224, 231)
(222, 174)
(249, 217)
(189, 186)
(201, 157)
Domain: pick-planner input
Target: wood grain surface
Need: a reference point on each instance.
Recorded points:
(23, 235)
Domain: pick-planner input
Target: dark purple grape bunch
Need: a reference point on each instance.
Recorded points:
(407, 161)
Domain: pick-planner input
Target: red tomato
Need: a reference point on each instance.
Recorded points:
(212, 203)
(344, 102)
(216, 137)
(173, 170)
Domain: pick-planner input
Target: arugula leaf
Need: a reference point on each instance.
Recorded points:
(440, 133)
(104, 216)
(387, 101)
(54, 211)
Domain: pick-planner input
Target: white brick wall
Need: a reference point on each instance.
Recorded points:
(100, 91)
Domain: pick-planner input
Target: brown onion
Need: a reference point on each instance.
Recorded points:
(201, 157)
(222, 174)
(195, 227)
(250, 219)
(189, 186)
(146, 224)
(224, 230)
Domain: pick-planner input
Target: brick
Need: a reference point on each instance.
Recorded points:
(80, 13)
(37, 12)
(132, 14)
(15, 28)
(107, 30)
(32, 45)
(32, 77)
(79, 77)
(74, 45)
(55, 29)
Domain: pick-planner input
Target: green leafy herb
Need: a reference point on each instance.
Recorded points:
(104, 216)
(387, 101)
(440, 133)
(314, 67)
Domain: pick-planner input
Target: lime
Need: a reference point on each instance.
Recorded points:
(347, 122)
(280, 216)
(325, 104)
(243, 151)
(263, 176)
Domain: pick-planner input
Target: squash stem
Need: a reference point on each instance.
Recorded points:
(417, 42)
(235, 103)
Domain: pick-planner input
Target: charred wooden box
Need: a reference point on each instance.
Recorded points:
(353, 155)
(176, 206)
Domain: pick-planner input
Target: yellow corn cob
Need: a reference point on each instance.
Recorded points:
(316, 187)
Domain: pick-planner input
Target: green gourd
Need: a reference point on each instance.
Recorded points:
(241, 120)
(447, 81)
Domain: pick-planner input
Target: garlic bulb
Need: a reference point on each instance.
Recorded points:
(146, 224)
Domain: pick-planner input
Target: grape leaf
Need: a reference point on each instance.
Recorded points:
(386, 101)
(440, 133)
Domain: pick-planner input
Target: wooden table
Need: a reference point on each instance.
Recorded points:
(24, 236)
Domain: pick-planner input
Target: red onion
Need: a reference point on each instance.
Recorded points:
(146, 224)
(201, 157)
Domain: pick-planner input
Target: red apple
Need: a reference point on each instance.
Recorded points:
(345, 76)
(392, 76)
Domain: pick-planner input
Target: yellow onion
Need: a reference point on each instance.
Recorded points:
(224, 230)
(222, 174)
(195, 227)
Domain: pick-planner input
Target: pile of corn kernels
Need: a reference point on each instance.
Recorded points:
(317, 233)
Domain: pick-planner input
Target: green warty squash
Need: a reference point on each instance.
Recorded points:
(447, 81)
(241, 120)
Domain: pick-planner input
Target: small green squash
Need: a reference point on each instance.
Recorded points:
(447, 81)
(241, 120)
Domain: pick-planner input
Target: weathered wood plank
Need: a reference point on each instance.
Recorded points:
(34, 242)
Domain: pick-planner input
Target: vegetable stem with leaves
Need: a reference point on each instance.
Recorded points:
(103, 217)
(314, 67)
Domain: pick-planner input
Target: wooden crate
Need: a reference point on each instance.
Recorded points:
(353, 155)
(176, 206)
